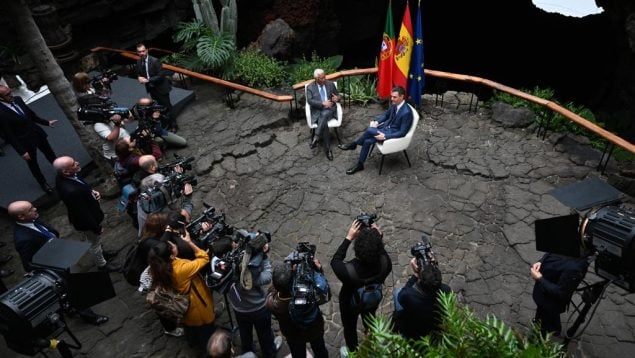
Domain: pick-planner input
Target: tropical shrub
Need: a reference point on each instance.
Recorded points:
(302, 69)
(202, 50)
(256, 69)
(363, 89)
(463, 335)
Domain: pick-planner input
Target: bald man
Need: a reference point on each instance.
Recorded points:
(82, 204)
(18, 125)
(29, 233)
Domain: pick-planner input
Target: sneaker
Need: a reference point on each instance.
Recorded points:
(177, 332)
(277, 342)
(343, 352)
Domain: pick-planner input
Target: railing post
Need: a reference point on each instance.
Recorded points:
(608, 151)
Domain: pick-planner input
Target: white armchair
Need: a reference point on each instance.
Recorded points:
(333, 123)
(399, 144)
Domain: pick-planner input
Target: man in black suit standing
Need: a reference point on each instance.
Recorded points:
(30, 235)
(18, 127)
(394, 123)
(82, 204)
(556, 278)
(322, 97)
(150, 73)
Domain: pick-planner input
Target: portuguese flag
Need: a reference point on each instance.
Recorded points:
(385, 65)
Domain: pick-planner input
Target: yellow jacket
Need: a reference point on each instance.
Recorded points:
(184, 274)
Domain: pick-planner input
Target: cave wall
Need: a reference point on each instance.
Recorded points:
(589, 60)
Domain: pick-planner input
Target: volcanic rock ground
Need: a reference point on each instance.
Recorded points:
(474, 187)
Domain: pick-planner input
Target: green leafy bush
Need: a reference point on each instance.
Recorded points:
(302, 69)
(463, 335)
(201, 50)
(363, 89)
(256, 69)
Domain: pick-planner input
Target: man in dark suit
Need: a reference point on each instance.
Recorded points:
(556, 278)
(394, 123)
(150, 73)
(18, 127)
(30, 235)
(82, 204)
(322, 96)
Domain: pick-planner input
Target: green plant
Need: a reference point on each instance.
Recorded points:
(362, 89)
(202, 49)
(256, 69)
(302, 69)
(463, 335)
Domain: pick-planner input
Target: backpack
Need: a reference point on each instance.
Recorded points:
(153, 200)
(367, 297)
(168, 303)
(134, 265)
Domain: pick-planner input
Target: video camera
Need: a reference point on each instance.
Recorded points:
(366, 219)
(225, 270)
(100, 113)
(422, 251)
(204, 239)
(102, 81)
(174, 183)
(184, 162)
(303, 290)
(145, 112)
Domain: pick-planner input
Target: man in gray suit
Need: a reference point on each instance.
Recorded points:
(322, 96)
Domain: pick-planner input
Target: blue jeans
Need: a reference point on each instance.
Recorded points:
(395, 300)
(261, 321)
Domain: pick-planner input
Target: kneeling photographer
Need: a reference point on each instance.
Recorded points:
(299, 288)
(150, 115)
(416, 307)
(362, 277)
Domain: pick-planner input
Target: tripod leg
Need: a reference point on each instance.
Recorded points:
(229, 313)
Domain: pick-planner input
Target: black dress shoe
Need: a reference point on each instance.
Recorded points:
(6, 273)
(5, 258)
(89, 316)
(329, 155)
(355, 168)
(47, 188)
(349, 146)
(314, 143)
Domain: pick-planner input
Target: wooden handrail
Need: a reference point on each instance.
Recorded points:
(273, 97)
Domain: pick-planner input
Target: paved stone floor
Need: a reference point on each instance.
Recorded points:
(474, 188)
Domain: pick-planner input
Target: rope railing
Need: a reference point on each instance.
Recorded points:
(590, 126)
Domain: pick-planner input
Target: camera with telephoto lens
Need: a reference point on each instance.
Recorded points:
(184, 163)
(422, 251)
(205, 239)
(366, 219)
(141, 112)
(103, 80)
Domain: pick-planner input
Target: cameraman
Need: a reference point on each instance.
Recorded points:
(86, 94)
(278, 303)
(371, 265)
(154, 198)
(416, 312)
(247, 298)
(111, 132)
(150, 114)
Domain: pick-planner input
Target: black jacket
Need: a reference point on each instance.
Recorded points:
(158, 80)
(420, 315)
(561, 275)
(20, 132)
(28, 241)
(84, 212)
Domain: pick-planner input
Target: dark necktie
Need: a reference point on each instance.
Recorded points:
(393, 114)
(44, 231)
(17, 109)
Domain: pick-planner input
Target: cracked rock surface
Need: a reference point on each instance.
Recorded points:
(475, 188)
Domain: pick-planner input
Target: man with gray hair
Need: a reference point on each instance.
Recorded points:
(322, 96)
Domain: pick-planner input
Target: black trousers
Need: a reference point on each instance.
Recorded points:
(349, 321)
(163, 99)
(298, 348)
(44, 146)
(549, 321)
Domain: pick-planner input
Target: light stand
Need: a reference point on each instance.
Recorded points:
(231, 328)
(591, 296)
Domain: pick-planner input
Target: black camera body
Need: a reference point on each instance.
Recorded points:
(205, 239)
(91, 114)
(422, 251)
(175, 183)
(102, 81)
(366, 219)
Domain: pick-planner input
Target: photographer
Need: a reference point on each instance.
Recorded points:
(152, 115)
(416, 307)
(556, 278)
(86, 94)
(111, 132)
(154, 197)
(247, 297)
(297, 335)
(370, 267)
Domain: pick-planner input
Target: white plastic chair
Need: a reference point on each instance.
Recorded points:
(332, 123)
(399, 144)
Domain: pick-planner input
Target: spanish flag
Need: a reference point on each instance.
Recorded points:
(385, 65)
(403, 50)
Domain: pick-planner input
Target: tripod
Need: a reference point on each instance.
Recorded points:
(591, 295)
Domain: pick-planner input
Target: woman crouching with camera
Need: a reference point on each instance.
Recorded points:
(182, 275)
